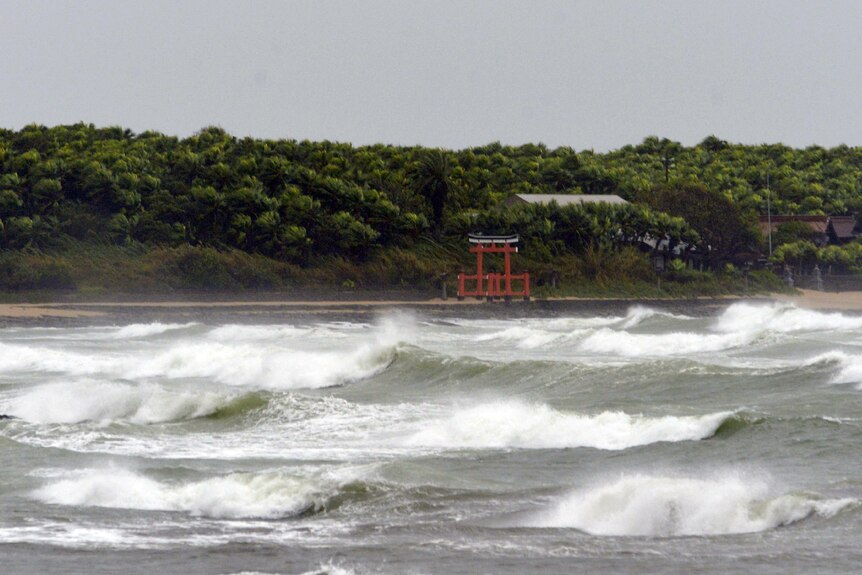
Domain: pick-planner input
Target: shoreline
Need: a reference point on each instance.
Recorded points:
(373, 305)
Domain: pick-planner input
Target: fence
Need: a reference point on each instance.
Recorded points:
(829, 282)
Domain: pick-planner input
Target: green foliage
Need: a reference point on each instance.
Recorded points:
(19, 271)
(369, 213)
(676, 266)
(804, 254)
(718, 220)
(792, 231)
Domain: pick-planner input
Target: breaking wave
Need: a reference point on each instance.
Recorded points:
(233, 332)
(781, 318)
(137, 330)
(528, 337)
(32, 358)
(261, 364)
(107, 402)
(540, 333)
(520, 425)
(665, 506)
(267, 495)
(850, 366)
(680, 343)
(330, 569)
(270, 367)
(639, 314)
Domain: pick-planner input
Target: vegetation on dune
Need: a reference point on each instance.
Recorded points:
(108, 209)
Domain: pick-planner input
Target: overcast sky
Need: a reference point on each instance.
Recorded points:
(586, 74)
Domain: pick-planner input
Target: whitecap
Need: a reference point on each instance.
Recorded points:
(138, 330)
(850, 366)
(508, 424)
(238, 495)
(102, 401)
(667, 344)
(233, 333)
(258, 364)
(663, 506)
(639, 314)
(524, 337)
(782, 318)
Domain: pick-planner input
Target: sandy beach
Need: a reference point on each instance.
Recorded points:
(109, 311)
(811, 299)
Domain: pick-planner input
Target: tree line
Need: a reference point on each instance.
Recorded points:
(297, 201)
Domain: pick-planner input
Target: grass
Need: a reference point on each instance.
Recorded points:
(84, 271)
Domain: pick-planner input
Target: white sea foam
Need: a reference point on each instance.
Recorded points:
(850, 366)
(234, 333)
(273, 366)
(524, 337)
(540, 333)
(261, 364)
(239, 495)
(739, 325)
(782, 318)
(265, 366)
(331, 569)
(35, 358)
(105, 402)
(521, 425)
(662, 506)
(137, 330)
(639, 314)
(626, 344)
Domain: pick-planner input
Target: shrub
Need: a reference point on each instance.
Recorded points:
(24, 271)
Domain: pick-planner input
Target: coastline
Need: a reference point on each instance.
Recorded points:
(375, 304)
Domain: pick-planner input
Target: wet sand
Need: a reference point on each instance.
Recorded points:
(811, 299)
(65, 313)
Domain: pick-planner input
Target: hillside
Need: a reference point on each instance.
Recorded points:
(105, 209)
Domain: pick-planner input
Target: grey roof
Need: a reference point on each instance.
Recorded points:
(566, 199)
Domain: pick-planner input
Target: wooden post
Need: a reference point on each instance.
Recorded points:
(479, 276)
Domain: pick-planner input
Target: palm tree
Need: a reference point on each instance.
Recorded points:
(432, 179)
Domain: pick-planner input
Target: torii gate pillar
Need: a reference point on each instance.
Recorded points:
(493, 285)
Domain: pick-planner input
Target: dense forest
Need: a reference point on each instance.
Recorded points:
(105, 208)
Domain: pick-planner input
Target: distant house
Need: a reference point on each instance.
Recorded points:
(819, 226)
(842, 229)
(564, 199)
(825, 229)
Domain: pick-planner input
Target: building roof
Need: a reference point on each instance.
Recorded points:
(818, 224)
(843, 226)
(565, 199)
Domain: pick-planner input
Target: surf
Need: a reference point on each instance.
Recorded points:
(515, 424)
(262, 495)
(671, 506)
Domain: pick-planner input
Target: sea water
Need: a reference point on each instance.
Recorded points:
(647, 442)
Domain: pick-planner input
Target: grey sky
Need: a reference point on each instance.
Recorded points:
(586, 74)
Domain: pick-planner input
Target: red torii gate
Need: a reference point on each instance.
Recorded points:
(493, 285)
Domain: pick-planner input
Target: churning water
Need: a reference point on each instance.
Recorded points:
(646, 443)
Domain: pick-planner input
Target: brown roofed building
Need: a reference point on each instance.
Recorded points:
(825, 229)
(842, 229)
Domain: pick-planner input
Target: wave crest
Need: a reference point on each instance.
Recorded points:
(679, 343)
(520, 425)
(782, 318)
(665, 506)
(106, 402)
(268, 495)
(137, 330)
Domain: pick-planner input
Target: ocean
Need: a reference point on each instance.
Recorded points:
(639, 442)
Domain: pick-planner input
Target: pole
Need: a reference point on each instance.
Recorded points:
(479, 270)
